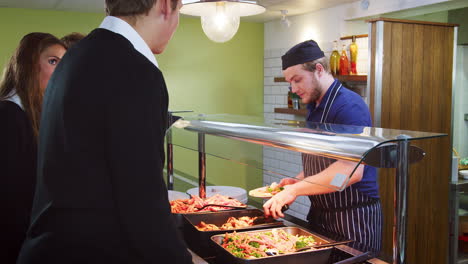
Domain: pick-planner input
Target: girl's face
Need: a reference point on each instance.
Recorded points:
(48, 60)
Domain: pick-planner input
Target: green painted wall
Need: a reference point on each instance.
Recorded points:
(215, 78)
(440, 17)
(15, 23)
(201, 75)
(460, 16)
(413, 14)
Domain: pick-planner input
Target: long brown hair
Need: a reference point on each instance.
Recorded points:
(21, 75)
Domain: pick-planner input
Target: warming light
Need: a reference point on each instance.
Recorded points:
(220, 19)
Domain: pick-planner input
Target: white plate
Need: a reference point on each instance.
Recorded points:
(175, 195)
(463, 174)
(260, 192)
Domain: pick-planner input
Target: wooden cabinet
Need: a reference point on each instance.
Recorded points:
(410, 85)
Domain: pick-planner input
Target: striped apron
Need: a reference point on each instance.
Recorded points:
(349, 214)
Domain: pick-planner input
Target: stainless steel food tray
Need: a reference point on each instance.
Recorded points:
(319, 256)
(199, 241)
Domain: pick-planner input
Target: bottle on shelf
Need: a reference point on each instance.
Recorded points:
(344, 62)
(290, 104)
(353, 52)
(295, 101)
(335, 59)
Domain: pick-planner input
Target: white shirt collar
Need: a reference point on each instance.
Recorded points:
(121, 27)
(13, 97)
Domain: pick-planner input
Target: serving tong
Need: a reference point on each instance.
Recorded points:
(275, 252)
(220, 205)
(263, 219)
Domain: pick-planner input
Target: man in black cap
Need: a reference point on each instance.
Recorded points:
(355, 213)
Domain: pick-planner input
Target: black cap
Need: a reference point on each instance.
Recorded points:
(301, 53)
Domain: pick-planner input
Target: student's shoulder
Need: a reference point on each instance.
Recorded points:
(115, 48)
(101, 44)
(8, 108)
(11, 113)
(100, 36)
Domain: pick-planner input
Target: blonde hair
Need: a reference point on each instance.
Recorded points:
(310, 66)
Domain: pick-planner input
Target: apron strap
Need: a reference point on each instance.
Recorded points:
(336, 87)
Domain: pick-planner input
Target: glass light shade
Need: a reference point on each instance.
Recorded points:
(220, 19)
(221, 25)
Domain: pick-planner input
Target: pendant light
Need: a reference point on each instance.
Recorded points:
(220, 19)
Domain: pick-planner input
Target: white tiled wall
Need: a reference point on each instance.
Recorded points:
(363, 54)
(279, 163)
(460, 125)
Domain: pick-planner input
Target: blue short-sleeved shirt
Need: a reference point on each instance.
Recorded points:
(348, 108)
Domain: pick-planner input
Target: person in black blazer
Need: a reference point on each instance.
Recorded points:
(100, 195)
(21, 91)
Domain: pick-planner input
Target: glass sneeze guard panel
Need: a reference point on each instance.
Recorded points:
(359, 145)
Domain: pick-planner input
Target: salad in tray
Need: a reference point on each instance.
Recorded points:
(263, 244)
(266, 191)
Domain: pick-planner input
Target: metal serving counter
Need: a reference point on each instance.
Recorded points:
(377, 147)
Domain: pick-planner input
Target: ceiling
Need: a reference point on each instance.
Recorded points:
(274, 7)
(293, 7)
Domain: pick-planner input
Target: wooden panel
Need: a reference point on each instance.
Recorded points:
(416, 95)
(386, 78)
(414, 119)
(407, 58)
(396, 96)
(428, 78)
(386, 177)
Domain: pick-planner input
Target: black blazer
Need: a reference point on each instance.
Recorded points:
(100, 196)
(18, 177)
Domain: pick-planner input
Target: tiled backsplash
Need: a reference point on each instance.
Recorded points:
(279, 163)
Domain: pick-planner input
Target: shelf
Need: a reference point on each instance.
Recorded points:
(342, 78)
(299, 112)
(352, 78)
(357, 36)
(280, 79)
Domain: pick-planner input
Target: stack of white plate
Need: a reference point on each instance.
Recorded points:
(175, 195)
(230, 191)
(463, 174)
